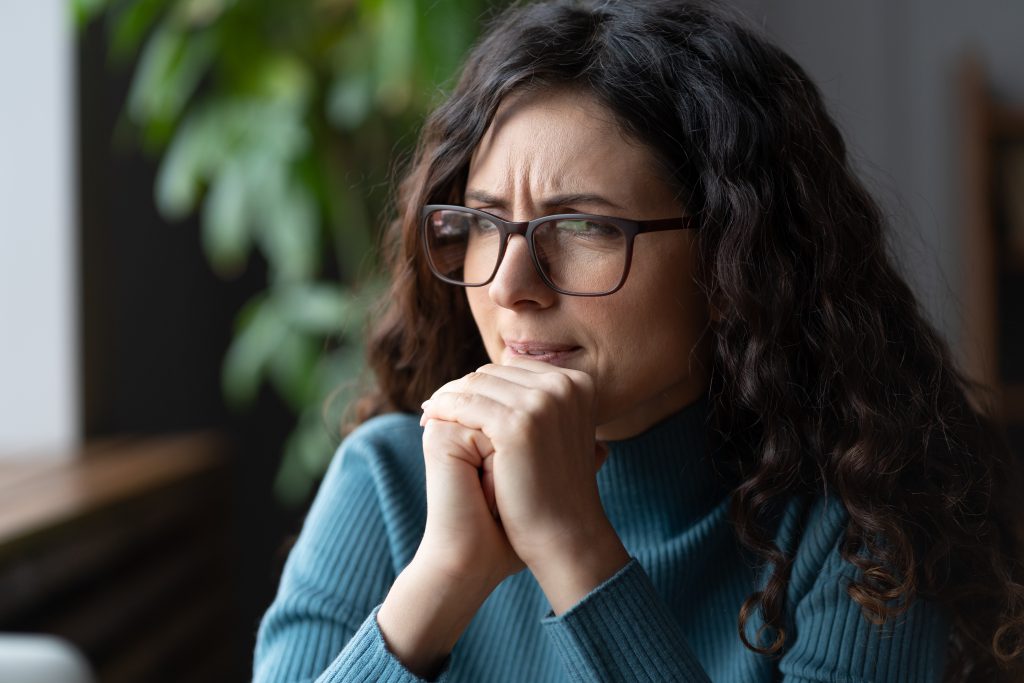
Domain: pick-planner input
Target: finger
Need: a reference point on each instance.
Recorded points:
(475, 411)
(471, 445)
(543, 392)
(509, 373)
(519, 365)
(529, 364)
(508, 393)
(487, 483)
(482, 381)
(559, 381)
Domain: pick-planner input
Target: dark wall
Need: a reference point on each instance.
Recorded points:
(156, 322)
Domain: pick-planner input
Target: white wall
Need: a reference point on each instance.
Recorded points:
(38, 271)
(888, 71)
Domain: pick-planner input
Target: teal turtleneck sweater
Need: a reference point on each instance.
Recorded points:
(669, 615)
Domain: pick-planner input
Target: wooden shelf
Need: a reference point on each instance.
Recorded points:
(125, 550)
(40, 495)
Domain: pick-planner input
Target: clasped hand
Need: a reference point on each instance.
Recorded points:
(511, 463)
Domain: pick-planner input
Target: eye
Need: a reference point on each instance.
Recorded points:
(481, 225)
(587, 228)
(577, 226)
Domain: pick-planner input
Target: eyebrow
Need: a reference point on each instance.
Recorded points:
(567, 199)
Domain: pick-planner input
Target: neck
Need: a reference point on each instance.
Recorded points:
(647, 413)
(668, 469)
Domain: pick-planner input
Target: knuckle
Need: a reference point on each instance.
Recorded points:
(561, 384)
(465, 438)
(443, 439)
(582, 385)
(585, 380)
(520, 421)
(461, 401)
(434, 430)
(537, 400)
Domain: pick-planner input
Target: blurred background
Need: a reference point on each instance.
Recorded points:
(190, 193)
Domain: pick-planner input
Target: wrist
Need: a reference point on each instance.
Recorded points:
(469, 580)
(567, 576)
(424, 615)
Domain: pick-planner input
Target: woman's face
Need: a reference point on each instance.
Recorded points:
(646, 346)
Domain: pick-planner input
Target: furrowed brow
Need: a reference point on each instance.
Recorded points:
(567, 199)
(570, 199)
(484, 198)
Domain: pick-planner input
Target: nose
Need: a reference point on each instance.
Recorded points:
(517, 284)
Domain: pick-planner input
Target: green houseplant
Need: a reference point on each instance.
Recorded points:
(278, 122)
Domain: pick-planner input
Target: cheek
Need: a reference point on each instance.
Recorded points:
(483, 316)
(645, 341)
(647, 345)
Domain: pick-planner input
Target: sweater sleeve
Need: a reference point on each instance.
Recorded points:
(835, 643)
(830, 640)
(322, 625)
(623, 631)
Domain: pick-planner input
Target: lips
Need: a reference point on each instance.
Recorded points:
(534, 347)
(544, 351)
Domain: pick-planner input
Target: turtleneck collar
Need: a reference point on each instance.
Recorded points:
(658, 483)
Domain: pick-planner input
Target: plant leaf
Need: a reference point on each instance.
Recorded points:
(132, 21)
(396, 43)
(84, 11)
(350, 100)
(169, 70)
(257, 338)
(225, 221)
(291, 369)
(284, 79)
(289, 233)
(321, 308)
(196, 152)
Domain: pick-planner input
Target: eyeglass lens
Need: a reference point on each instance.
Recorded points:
(576, 255)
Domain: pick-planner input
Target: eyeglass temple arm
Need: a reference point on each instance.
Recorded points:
(660, 224)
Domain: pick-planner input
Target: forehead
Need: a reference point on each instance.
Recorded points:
(560, 141)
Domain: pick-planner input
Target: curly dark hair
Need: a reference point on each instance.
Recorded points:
(827, 376)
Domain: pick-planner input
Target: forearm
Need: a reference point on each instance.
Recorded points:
(425, 614)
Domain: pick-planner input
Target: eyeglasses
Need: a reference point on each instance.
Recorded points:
(574, 253)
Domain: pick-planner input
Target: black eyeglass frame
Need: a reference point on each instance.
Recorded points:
(630, 229)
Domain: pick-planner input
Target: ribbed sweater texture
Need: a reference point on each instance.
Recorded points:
(670, 614)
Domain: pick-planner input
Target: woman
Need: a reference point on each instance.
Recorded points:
(694, 427)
